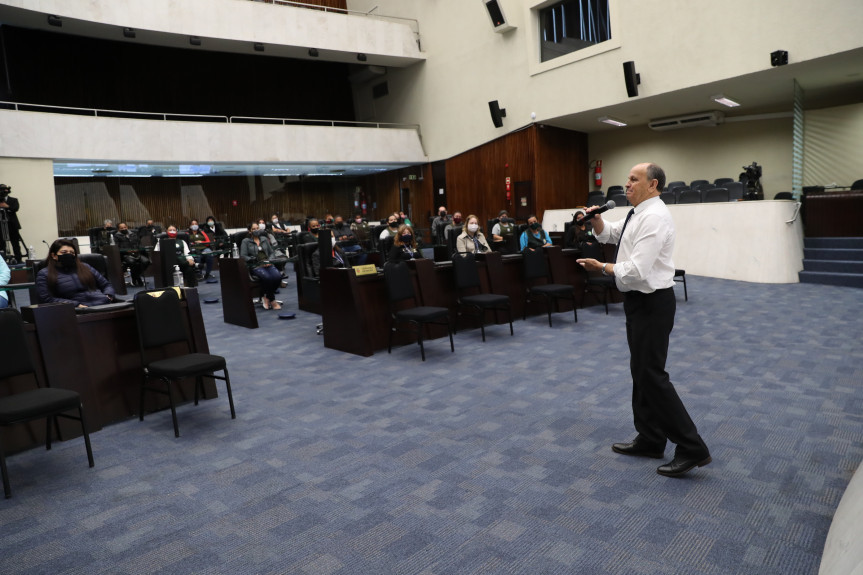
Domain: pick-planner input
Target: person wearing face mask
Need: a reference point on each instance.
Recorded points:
(577, 235)
(455, 225)
(311, 235)
(184, 257)
(148, 232)
(360, 228)
(257, 251)
(403, 217)
(404, 245)
(103, 237)
(471, 240)
(534, 236)
(277, 227)
(328, 221)
(66, 279)
(202, 246)
(438, 224)
(347, 241)
(216, 231)
(392, 227)
(135, 259)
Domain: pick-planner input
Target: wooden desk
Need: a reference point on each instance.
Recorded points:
(98, 356)
(357, 308)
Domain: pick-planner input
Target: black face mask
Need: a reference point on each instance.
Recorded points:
(124, 232)
(534, 226)
(340, 225)
(407, 239)
(67, 260)
(314, 230)
(394, 224)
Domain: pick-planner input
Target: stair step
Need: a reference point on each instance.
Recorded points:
(835, 266)
(834, 243)
(833, 254)
(828, 278)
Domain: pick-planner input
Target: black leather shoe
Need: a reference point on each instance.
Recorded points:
(636, 448)
(682, 465)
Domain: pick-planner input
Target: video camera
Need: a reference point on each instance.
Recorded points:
(4, 192)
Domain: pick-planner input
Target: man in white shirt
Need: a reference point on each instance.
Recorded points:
(644, 272)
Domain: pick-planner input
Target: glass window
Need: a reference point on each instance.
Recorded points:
(572, 25)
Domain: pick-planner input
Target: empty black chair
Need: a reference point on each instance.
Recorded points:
(715, 195)
(595, 282)
(695, 183)
(613, 190)
(703, 187)
(42, 402)
(467, 280)
(858, 185)
(160, 325)
(671, 186)
(536, 268)
(400, 289)
(720, 182)
(595, 198)
(680, 276)
(783, 196)
(618, 199)
(668, 197)
(735, 191)
(689, 197)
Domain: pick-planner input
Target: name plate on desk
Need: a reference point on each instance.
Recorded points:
(366, 270)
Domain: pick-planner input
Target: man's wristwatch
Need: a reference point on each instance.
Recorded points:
(605, 273)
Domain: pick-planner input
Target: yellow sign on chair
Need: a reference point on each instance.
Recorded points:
(368, 269)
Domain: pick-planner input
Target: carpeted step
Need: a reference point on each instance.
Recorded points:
(830, 278)
(835, 266)
(834, 243)
(833, 254)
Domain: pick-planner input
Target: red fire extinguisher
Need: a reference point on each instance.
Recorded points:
(597, 174)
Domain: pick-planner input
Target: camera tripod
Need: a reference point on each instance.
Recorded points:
(8, 249)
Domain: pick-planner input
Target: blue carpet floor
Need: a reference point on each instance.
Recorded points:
(493, 460)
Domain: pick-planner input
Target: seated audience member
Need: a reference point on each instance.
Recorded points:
(268, 233)
(277, 227)
(5, 276)
(403, 218)
(441, 219)
(148, 232)
(202, 246)
(134, 258)
(213, 228)
(534, 236)
(257, 251)
(360, 228)
(104, 237)
(471, 240)
(66, 279)
(503, 229)
(328, 221)
(184, 257)
(392, 227)
(347, 241)
(577, 235)
(404, 245)
(456, 221)
(311, 235)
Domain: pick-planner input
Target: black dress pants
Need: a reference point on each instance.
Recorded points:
(657, 409)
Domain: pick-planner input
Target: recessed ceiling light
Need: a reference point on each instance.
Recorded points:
(720, 99)
(612, 121)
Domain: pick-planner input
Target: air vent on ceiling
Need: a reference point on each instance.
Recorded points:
(677, 122)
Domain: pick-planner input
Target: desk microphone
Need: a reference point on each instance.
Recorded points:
(589, 215)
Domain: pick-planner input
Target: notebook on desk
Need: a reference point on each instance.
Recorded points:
(116, 306)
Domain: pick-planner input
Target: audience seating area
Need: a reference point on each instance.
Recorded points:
(680, 192)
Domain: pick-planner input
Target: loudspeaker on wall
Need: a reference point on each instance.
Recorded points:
(497, 113)
(631, 78)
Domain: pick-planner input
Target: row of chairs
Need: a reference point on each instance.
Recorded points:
(160, 328)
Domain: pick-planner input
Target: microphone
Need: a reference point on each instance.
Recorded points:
(589, 215)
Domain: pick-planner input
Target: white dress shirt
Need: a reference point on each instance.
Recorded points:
(644, 261)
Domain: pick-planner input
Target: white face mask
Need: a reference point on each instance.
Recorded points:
(275, 221)
(472, 228)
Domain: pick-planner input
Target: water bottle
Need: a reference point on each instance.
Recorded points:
(31, 253)
(178, 277)
(235, 253)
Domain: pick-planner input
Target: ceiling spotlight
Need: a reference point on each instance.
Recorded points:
(195, 40)
(55, 21)
(362, 57)
(259, 47)
(612, 121)
(129, 32)
(313, 52)
(725, 101)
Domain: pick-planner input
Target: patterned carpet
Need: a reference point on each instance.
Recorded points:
(493, 460)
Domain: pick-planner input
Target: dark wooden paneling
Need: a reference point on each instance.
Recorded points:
(561, 168)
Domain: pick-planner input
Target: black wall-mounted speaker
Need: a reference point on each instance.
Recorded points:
(497, 113)
(495, 13)
(631, 78)
(778, 58)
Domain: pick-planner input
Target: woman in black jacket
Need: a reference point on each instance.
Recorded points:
(257, 252)
(404, 245)
(66, 279)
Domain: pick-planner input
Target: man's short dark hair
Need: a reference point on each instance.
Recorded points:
(654, 172)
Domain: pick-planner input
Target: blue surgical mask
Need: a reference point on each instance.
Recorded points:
(194, 227)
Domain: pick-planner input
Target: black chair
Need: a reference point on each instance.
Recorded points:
(858, 185)
(735, 191)
(96, 261)
(42, 402)
(400, 289)
(703, 187)
(668, 197)
(160, 325)
(614, 190)
(680, 276)
(689, 197)
(715, 195)
(595, 282)
(618, 199)
(671, 186)
(695, 183)
(783, 196)
(536, 268)
(595, 198)
(467, 280)
(720, 182)
(385, 246)
(454, 233)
